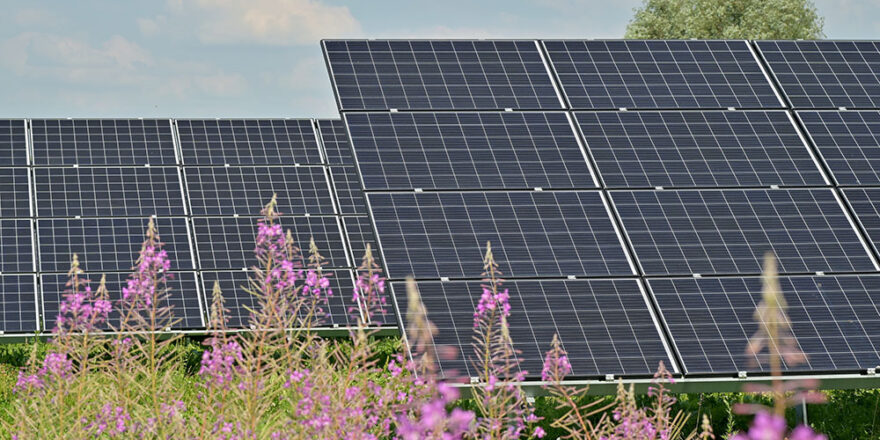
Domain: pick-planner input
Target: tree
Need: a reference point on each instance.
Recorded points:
(726, 19)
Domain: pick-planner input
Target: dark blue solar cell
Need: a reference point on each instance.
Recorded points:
(834, 320)
(605, 325)
(502, 150)
(16, 246)
(18, 303)
(597, 74)
(104, 192)
(246, 190)
(335, 140)
(444, 234)
(698, 149)
(865, 203)
(849, 142)
(15, 199)
(440, 75)
(103, 142)
(359, 232)
(729, 231)
(229, 242)
(826, 74)
(183, 297)
(248, 142)
(347, 187)
(108, 244)
(13, 142)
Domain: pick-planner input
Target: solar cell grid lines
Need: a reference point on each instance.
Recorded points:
(229, 242)
(439, 75)
(359, 233)
(335, 141)
(849, 142)
(183, 298)
(660, 74)
(240, 303)
(647, 149)
(833, 318)
(468, 150)
(103, 142)
(13, 143)
(15, 198)
(347, 187)
(248, 142)
(533, 234)
(108, 192)
(246, 190)
(16, 246)
(605, 325)
(865, 203)
(108, 244)
(18, 303)
(684, 232)
(826, 74)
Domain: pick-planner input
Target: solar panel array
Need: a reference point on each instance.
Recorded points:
(89, 187)
(632, 216)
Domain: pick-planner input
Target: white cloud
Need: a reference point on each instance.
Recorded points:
(272, 22)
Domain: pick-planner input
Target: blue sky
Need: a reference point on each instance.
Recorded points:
(261, 58)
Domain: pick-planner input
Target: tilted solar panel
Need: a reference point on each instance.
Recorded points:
(335, 141)
(605, 325)
(728, 231)
(246, 190)
(15, 200)
(359, 233)
(248, 142)
(239, 303)
(865, 203)
(660, 74)
(184, 298)
(711, 320)
(849, 142)
(229, 242)
(540, 233)
(16, 246)
(468, 150)
(826, 74)
(698, 149)
(103, 142)
(13, 143)
(347, 188)
(107, 192)
(108, 244)
(439, 75)
(18, 303)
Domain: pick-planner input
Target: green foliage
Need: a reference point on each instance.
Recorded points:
(713, 19)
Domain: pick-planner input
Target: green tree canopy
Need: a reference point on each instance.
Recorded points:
(726, 19)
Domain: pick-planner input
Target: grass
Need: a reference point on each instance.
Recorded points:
(849, 414)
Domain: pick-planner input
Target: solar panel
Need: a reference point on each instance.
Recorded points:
(833, 318)
(865, 203)
(13, 142)
(248, 142)
(239, 303)
(439, 75)
(848, 141)
(16, 246)
(698, 149)
(498, 150)
(729, 231)
(93, 192)
(658, 74)
(229, 242)
(825, 74)
(18, 303)
(183, 297)
(245, 190)
(605, 325)
(347, 187)
(103, 142)
(335, 141)
(540, 233)
(108, 244)
(359, 232)
(15, 200)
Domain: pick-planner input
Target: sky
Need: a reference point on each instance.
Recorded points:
(262, 58)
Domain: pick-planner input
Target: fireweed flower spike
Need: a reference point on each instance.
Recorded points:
(369, 291)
